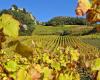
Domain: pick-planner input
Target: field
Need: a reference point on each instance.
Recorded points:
(52, 42)
(93, 39)
(50, 57)
(94, 42)
(62, 30)
(61, 48)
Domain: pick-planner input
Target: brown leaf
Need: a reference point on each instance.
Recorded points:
(82, 7)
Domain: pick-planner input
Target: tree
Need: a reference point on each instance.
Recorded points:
(24, 18)
(63, 20)
(14, 7)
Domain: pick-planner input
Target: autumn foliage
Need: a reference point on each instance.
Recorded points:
(89, 7)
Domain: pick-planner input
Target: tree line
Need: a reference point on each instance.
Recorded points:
(63, 20)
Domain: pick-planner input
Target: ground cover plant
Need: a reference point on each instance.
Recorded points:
(51, 53)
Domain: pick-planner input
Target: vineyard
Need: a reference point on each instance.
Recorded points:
(53, 52)
(62, 30)
(93, 39)
(45, 57)
(52, 42)
(94, 42)
(48, 57)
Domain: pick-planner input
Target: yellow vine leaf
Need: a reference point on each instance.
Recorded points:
(10, 25)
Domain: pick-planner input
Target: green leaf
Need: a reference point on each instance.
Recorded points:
(23, 75)
(55, 65)
(45, 57)
(74, 55)
(24, 50)
(10, 25)
(47, 72)
(13, 75)
(95, 64)
(62, 77)
(11, 66)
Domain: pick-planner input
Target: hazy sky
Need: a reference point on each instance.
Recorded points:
(43, 10)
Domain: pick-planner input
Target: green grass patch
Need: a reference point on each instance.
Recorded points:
(61, 30)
